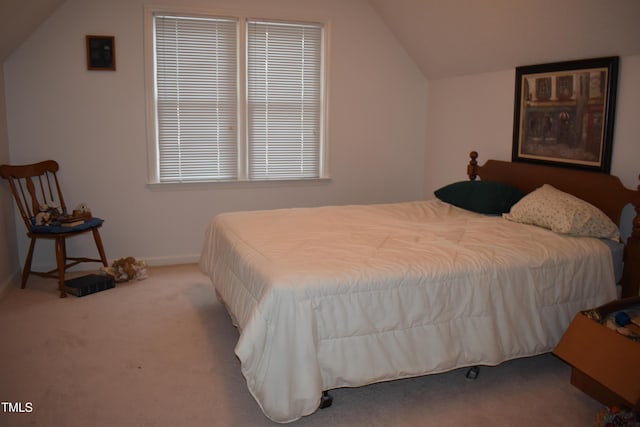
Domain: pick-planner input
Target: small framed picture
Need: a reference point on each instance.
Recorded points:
(101, 53)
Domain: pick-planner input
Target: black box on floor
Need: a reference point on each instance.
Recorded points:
(89, 284)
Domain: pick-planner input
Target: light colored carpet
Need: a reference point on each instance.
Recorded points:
(159, 352)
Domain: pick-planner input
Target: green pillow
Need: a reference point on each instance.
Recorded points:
(486, 197)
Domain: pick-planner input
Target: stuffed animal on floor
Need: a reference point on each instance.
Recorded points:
(125, 269)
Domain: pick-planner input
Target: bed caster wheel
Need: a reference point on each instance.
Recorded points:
(473, 373)
(326, 400)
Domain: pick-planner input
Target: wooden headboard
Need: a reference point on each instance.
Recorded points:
(601, 190)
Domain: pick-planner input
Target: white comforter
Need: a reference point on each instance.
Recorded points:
(350, 295)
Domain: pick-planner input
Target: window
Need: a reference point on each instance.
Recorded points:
(236, 99)
(196, 98)
(283, 99)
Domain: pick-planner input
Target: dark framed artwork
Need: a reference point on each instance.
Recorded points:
(564, 113)
(101, 53)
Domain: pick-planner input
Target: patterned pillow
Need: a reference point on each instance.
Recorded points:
(563, 213)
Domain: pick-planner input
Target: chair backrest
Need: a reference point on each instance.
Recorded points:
(32, 186)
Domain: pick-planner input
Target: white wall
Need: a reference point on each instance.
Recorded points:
(9, 266)
(93, 123)
(476, 113)
(464, 114)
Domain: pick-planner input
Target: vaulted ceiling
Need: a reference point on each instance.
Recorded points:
(18, 19)
(449, 38)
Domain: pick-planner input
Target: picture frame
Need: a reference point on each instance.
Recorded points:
(564, 113)
(101, 52)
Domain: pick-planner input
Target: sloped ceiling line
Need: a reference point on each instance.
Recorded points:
(19, 18)
(462, 37)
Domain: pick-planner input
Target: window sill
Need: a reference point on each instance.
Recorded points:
(204, 185)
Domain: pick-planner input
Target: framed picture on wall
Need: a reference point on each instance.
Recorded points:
(564, 113)
(101, 53)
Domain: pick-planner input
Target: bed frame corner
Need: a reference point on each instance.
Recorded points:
(631, 277)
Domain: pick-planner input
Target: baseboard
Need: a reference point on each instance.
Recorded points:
(14, 279)
(90, 266)
(171, 260)
(167, 260)
(153, 261)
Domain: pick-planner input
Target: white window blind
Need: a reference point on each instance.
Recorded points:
(196, 63)
(233, 98)
(284, 103)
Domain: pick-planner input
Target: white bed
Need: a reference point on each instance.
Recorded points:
(343, 296)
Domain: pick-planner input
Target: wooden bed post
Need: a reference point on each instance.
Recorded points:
(472, 167)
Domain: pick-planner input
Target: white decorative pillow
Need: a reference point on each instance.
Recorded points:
(563, 213)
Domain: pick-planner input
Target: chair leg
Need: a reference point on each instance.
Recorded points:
(98, 240)
(27, 263)
(61, 259)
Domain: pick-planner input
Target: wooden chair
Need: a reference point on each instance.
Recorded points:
(34, 186)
